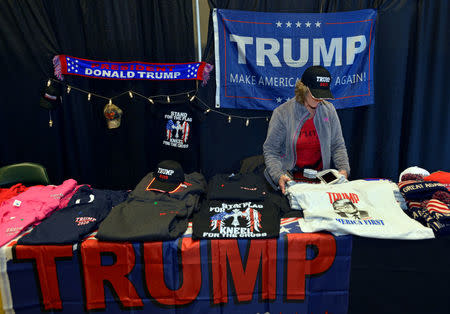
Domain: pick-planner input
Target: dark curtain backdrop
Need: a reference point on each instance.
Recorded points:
(79, 145)
(407, 125)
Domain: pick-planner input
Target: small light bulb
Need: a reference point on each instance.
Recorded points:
(207, 111)
(89, 96)
(229, 119)
(68, 89)
(247, 122)
(131, 94)
(110, 102)
(49, 82)
(192, 98)
(50, 121)
(151, 100)
(168, 99)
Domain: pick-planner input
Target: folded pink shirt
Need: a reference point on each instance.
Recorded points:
(30, 207)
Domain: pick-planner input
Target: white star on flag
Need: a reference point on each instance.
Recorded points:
(284, 229)
(298, 24)
(308, 24)
(278, 99)
(278, 24)
(288, 24)
(318, 24)
(72, 66)
(192, 70)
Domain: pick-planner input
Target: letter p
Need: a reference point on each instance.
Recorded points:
(352, 50)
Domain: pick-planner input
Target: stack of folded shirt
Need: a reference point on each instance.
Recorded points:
(84, 212)
(158, 208)
(236, 207)
(31, 207)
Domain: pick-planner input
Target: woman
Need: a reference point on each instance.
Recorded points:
(305, 131)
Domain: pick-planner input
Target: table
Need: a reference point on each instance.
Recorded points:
(295, 273)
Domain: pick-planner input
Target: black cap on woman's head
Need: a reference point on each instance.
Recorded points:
(318, 80)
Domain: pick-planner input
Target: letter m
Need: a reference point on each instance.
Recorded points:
(234, 79)
(226, 253)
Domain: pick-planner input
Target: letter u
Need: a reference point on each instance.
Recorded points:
(190, 279)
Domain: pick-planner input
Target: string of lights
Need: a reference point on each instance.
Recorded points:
(191, 95)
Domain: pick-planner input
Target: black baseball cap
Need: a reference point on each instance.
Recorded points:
(50, 98)
(168, 177)
(318, 80)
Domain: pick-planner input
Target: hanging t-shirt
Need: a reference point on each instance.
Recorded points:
(364, 208)
(177, 138)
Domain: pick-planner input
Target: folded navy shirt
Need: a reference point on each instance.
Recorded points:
(83, 214)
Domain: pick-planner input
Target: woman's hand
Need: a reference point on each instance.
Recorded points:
(282, 182)
(344, 173)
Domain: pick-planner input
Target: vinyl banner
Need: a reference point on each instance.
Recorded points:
(296, 273)
(259, 56)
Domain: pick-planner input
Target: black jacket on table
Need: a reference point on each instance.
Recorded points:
(149, 215)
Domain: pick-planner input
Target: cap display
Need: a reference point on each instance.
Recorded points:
(169, 175)
(414, 170)
(318, 80)
(113, 115)
(50, 98)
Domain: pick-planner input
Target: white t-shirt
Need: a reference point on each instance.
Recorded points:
(363, 208)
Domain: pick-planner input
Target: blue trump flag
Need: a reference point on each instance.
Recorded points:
(295, 273)
(260, 56)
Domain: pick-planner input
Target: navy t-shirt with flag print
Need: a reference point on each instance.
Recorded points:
(177, 138)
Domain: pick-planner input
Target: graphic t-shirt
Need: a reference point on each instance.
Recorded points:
(308, 147)
(237, 207)
(363, 208)
(177, 126)
(236, 219)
